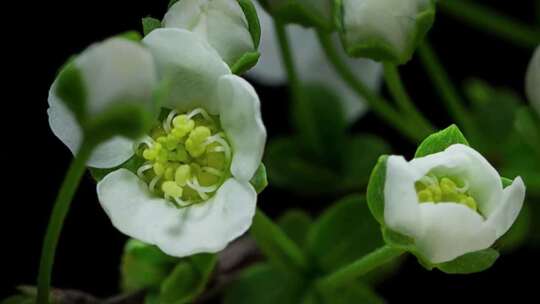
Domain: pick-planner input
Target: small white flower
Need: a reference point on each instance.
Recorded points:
(533, 80)
(112, 71)
(387, 28)
(451, 203)
(221, 22)
(311, 64)
(192, 194)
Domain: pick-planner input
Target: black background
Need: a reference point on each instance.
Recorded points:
(39, 37)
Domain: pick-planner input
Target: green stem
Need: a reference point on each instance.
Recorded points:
(379, 105)
(276, 245)
(491, 21)
(60, 210)
(360, 267)
(288, 61)
(403, 100)
(446, 88)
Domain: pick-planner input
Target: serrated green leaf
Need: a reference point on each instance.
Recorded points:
(320, 122)
(343, 234)
(245, 63)
(149, 24)
(144, 266)
(441, 140)
(471, 262)
(71, 90)
(250, 12)
(263, 284)
(187, 280)
(259, 180)
(296, 224)
(375, 190)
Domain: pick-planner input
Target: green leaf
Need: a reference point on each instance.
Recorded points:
(71, 90)
(144, 266)
(281, 251)
(245, 63)
(259, 181)
(263, 284)
(441, 140)
(253, 21)
(188, 279)
(149, 24)
(343, 234)
(320, 122)
(375, 190)
(296, 223)
(354, 292)
(471, 262)
(362, 154)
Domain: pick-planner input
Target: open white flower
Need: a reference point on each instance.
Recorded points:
(116, 70)
(311, 64)
(221, 22)
(384, 29)
(192, 194)
(451, 203)
(533, 80)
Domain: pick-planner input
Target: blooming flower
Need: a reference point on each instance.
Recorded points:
(192, 192)
(451, 203)
(311, 63)
(113, 71)
(221, 22)
(385, 30)
(533, 80)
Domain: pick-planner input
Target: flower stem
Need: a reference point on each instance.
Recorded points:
(446, 88)
(491, 21)
(276, 245)
(288, 61)
(403, 100)
(378, 104)
(360, 267)
(60, 210)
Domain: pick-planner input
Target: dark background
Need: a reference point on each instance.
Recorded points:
(39, 37)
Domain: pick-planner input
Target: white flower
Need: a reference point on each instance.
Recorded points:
(311, 64)
(451, 203)
(221, 22)
(112, 71)
(192, 193)
(384, 29)
(533, 80)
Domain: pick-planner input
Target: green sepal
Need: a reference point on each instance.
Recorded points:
(299, 12)
(259, 181)
(144, 266)
(71, 90)
(131, 36)
(344, 233)
(441, 140)
(250, 12)
(375, 189)
(297, 224)
(188, 279)
(149, 24)
(472, 262)
(245, 63)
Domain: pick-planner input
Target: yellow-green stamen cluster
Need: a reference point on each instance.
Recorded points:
(431, 189)
(187, 157)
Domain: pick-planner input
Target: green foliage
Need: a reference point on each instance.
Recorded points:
(245, 63)
(296, 223)
(19, 299)
(471, 262)
(259, 181)
(441, 140)
(149, 24)
(352, 293)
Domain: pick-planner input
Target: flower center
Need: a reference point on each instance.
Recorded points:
(431, 189)
(187, 157)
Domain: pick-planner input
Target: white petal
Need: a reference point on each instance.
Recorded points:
(533, 80)
(451, 230)
(221, 22)
(117, 70)
(401, 206)
(190, 64)
(506, 213)
(463, 161)
(207, 227)
(108, 154)
(311, 64)
(241, 120)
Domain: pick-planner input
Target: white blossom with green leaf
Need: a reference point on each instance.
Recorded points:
(533, 80)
